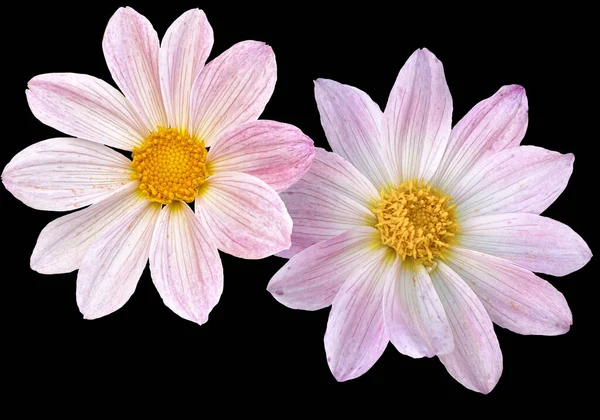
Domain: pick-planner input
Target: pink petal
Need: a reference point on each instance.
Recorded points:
(185, 264)
(112, 266)
(514, 297)
(352, 124)
(232, 89)
(131, 50)
(311, 279)
(418, 117)
(523, 179)
(277, 153)
(494, 124)
(65, 174)
(415, 319)
(64, 242)
(246, 216)
(86, 107)
(184, 50)
(476, 361)
(356, 335)
(534, 242)
(331, 198)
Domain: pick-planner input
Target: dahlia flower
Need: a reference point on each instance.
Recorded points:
(173, 109)
(423, 235)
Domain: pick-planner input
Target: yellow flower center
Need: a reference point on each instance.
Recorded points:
(416, 220)
(170, 165)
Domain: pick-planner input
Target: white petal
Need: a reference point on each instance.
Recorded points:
(514, 297)
(356, 335)
(131, 50)
(476, 361)
(311, 279)
(65, 174)
(418, 117)
(64, 242)
(352, 124)
(185, 264)
(85, 107)
(245, 216)
(534, 242)
(331, 198)
(415, 319)
(183, 52)
(112, 266)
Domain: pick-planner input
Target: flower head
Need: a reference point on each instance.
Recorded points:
(424, 235)
(173, 109)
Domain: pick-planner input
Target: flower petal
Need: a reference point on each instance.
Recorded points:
(494, 124)
(523, 179)
(277, 153)
(311, 279)
(185, 264)
(64, 242)
(331, 198)
(65, 173)
(184, 50)
(356, 335)
(246, 216)
(476, 361)
(415, 319)
(352, 124)
(112, 266)
(418, 117)
(514, 297)
(131, 50)
(86, 107)
(534, 242)
(232, 89)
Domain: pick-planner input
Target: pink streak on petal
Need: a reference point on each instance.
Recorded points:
(131, 50)
(514, 297)
(331, 198)
(112, 266)
(86, 107)
(245, 216)
(494, 124)
(418, 117)
(65, 174)
(232, 89)
(523, 179)
(64, 242)
(356, 335)
(277, 153)
(476, 361)
(352, 124)
(184, 50)
(185, 264)
(534, 242)
(415, 318)
(311, 279)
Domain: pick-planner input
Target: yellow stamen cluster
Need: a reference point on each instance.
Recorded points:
(170, 165)
(416, 220)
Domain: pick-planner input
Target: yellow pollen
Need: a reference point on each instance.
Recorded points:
(170, 165)
(416, 220)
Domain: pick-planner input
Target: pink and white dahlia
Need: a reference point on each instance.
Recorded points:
(424, 235)
(173, 109)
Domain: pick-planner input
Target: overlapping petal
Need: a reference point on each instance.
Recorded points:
(232, 89)
(246, 217)
(331, 198)
(275, 152)
(183, 52)
(65, 174)
(185, 264)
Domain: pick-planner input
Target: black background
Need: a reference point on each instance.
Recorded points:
(251, 341)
